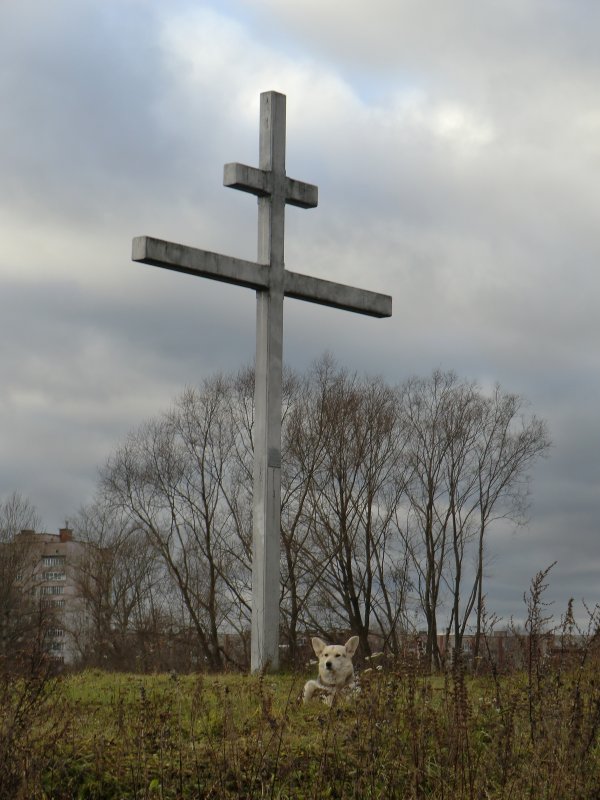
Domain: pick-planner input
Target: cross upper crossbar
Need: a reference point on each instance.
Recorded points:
(259, 182)
(272, 282)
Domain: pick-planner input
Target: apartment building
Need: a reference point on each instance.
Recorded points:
(50, 576)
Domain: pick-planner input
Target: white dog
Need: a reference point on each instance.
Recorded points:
(335, 669)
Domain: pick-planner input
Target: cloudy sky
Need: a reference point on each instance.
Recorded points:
(456, 147)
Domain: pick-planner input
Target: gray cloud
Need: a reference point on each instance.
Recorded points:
(456, 152)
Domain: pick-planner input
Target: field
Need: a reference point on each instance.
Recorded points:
(93, 735)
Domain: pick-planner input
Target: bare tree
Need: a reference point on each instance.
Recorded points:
(302, 455)
(470, 456)
(424, 409)
(169, 477)
(120, 581)
(17, 513)
(509, 445)
(19, 611)
(354, 488)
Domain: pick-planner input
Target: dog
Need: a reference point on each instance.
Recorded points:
(336, 671)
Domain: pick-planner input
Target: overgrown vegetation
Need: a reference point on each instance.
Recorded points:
(408, 734)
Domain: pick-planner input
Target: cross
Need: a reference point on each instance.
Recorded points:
(272, 282)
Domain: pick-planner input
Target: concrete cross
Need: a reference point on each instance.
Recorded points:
(272, 283)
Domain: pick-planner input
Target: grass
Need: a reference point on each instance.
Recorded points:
(114, 737)
(533, 733)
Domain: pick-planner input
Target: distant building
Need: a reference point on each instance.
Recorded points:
(503, 648)
(50, 575)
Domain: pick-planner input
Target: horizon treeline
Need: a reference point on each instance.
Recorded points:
(389, 495)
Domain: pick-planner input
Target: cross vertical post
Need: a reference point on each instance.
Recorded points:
(266, 516)
(272, 282)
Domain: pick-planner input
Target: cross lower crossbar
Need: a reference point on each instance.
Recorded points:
(336, 295)
(193, 261)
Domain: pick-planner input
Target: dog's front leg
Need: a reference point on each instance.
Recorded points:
(310, 687)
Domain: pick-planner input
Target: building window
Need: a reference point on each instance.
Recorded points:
(54, 633)
(54, 576)
(52, 590)
(53, 561)
(53, 603)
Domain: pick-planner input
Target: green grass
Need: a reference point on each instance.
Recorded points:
(100, 736)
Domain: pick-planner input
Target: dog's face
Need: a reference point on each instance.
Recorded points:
(335, 660)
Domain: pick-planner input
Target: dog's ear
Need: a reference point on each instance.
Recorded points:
(351, 645)
(318, 645)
